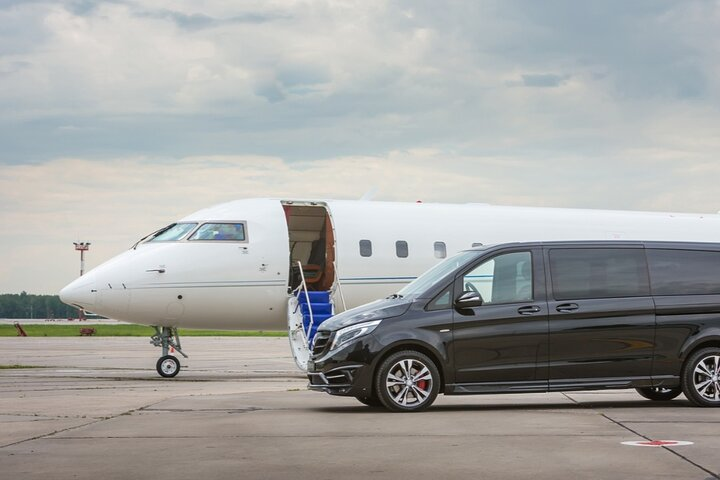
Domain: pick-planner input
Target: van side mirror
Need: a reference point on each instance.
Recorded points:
(469, 300)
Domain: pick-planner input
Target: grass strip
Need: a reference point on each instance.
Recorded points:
(128, 331)
(12, 367)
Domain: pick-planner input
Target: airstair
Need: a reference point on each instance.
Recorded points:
(315, 307)
(307, 310)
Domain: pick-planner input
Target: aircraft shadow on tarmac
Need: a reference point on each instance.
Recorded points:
(639, 404)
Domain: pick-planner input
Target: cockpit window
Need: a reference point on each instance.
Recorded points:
(173, 232)
(220, 231)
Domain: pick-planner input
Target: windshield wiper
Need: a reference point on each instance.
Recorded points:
(155, 233)
(394, 295)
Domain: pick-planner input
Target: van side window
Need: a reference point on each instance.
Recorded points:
(365, 248)
(579, 273)
(442, 300)
(440, 250)
(506, 278)
(401, 248)
(684, 272)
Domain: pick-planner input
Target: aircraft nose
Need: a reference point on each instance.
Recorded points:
(80, 293)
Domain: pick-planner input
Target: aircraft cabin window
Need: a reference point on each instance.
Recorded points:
(365, 248)
(234, 232)
(401, 248)
(173, 232)
(440, 250)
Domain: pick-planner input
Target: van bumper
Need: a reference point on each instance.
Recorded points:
(340, 381)
(347, 372)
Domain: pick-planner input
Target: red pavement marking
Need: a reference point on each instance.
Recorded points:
(658, 443)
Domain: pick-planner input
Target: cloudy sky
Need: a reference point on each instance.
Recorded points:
(118, 117)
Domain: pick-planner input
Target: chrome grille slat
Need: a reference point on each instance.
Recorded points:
(320, 342)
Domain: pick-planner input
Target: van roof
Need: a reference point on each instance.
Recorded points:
(605, 243)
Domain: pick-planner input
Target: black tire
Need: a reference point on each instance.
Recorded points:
(370, 401)
(421, 375)
(701, 377)
(659, 394)
(168, 366)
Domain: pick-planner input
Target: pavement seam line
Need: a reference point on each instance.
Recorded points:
(51, 433)
(711, 473)
(619, 424)
(48, 435)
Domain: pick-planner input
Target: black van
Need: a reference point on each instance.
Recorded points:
(535, 317)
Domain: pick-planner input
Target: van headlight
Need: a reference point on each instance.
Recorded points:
(348, 334)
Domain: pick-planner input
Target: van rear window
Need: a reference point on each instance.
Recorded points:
(579, 273)
(684, 272)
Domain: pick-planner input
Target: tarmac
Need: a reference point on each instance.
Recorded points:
(96, 409)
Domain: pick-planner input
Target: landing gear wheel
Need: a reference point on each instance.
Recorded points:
(370, 401)
(659, 393)
(168, 339)
(407, 381)
(168, 366)
(701, 377)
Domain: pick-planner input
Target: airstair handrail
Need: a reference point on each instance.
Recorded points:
(339, 286)
(303, 286)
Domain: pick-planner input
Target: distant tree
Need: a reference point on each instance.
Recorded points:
(25, 305)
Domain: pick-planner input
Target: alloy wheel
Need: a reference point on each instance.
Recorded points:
(706, 378)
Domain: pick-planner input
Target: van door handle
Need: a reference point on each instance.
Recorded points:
(567, 307)
(529, 310)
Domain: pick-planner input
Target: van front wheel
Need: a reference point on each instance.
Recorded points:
(701, 377)
(407, 381)
(659, 394)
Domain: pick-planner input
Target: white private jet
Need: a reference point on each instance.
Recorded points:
(267, 263)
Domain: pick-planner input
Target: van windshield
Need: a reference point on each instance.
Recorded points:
(438, 272)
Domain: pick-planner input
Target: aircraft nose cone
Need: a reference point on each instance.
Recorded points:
(81, 292)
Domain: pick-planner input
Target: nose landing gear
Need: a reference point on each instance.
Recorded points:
(168, 365)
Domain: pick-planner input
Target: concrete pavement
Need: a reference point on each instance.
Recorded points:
(239, 409)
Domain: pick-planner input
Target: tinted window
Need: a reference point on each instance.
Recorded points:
(401, 248)
(506, 278)
(684, 272)
(365, 248)
(440, 250)
(442, 301)
(598, 273)
(431, 277)
(220, 231)
(173, 232)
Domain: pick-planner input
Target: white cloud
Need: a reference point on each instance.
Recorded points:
(119, 116)
(48, 206)
(311, 80)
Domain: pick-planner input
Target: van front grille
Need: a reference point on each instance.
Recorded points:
(320, 343)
